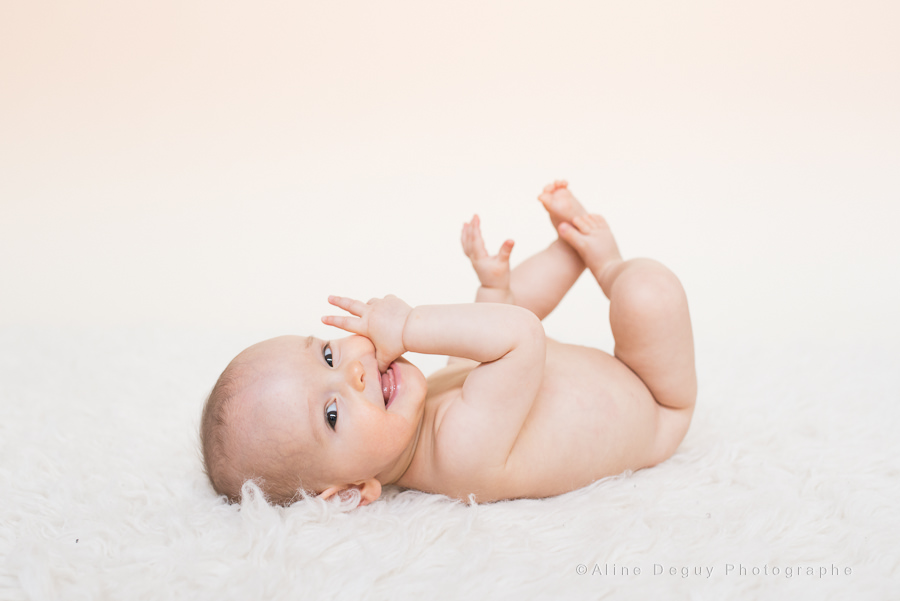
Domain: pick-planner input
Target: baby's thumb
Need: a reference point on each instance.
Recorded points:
(506, 249)
(384, 362)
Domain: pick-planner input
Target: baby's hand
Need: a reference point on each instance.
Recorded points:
(492, 271)
(381, 320)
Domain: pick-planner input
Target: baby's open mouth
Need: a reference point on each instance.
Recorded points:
(388, 385)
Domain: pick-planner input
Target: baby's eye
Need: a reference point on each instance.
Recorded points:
(331, 414)
(326, 352)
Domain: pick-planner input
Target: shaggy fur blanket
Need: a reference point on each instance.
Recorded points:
(785, 487)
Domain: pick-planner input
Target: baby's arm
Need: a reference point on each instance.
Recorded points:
(508, 342)
(481, 427)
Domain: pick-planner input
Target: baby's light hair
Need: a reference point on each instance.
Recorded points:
(277, 478)
(214, 433)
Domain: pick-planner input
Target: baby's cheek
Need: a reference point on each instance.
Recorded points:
(402, 432)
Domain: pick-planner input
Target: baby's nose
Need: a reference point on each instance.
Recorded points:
(357, 375)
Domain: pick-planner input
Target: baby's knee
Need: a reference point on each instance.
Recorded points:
(646, 285)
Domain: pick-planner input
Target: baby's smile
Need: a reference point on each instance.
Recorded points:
(390, 383)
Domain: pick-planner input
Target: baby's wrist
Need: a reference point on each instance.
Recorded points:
(404, 330)
(492, 294)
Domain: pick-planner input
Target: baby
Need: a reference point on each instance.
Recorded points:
(513, 414)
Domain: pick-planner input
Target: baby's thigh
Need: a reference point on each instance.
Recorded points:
(652, 327)
(672, 427)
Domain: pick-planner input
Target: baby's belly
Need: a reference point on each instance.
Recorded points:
(593, 418)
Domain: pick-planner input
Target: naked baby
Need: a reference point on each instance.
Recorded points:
(513, 414)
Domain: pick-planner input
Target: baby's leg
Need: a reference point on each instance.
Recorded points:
(650, 322)
(541, 282)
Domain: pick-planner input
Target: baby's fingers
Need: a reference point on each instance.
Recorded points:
(473, 243)
(354, 325)
(348, 304)
(466, 239)
(505, 250)
(383, 362)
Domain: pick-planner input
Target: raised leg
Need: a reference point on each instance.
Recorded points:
(648, 314)
(540, 282)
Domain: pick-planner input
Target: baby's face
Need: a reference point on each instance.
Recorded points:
(327, 402)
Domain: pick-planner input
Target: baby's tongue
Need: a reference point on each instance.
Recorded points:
(386, 385)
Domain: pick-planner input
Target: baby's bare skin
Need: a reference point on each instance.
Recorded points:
(518, 414)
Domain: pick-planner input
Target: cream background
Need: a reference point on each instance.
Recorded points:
(227, 165)
(179, 180)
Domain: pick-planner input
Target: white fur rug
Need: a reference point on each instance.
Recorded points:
(787, 486)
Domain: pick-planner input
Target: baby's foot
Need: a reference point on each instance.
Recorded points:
(591, 238)
(492, 271)
(559, 202)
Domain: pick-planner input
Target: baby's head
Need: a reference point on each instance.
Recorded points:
(296, 413)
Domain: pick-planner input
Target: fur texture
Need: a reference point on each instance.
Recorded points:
(791, 462)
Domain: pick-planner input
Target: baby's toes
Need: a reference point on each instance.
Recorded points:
(597, 221)
(571, 233)
(584, 223)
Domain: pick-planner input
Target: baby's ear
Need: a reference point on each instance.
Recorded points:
(369, 491)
